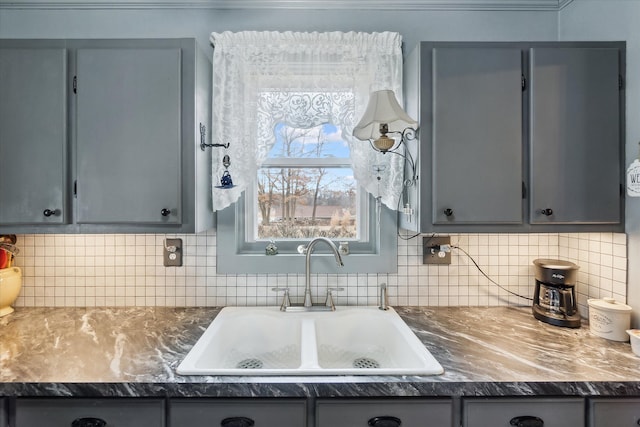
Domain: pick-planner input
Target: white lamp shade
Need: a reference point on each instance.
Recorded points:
(383, 107)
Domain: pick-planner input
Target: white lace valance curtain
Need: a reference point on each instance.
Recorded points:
(301, 79)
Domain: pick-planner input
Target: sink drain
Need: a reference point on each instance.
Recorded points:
(249, 364)
(365, 363)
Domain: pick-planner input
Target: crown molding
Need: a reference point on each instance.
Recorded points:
(563, 3)
(495, 5)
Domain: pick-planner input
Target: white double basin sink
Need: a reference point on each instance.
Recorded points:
(348, 341)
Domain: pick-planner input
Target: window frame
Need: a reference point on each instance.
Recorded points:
(375, 251)
(234, 256)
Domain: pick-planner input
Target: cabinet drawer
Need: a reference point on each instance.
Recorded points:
(359, 412)
(263, 412)
(554, 412)
(62, 412)
(614, 412)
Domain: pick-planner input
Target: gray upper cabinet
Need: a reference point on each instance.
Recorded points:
(128, 135)
(473, 90)
(131, 158)
(33, 135)
(516, 137)
(575, 135)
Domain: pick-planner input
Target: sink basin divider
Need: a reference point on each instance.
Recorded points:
(309, 348)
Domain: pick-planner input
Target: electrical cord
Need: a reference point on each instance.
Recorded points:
(407, 237)
(489, 278)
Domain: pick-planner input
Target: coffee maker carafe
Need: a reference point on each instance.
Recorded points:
(554, 298)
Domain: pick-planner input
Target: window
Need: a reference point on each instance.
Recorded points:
(306, 188)
(287, 103)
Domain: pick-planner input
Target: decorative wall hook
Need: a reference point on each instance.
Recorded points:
(203, 144)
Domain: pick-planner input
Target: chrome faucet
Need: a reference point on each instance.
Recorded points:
(307, 265)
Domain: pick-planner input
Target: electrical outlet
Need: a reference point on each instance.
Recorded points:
(172, 253)
(436, 250)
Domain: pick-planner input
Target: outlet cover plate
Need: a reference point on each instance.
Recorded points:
(168, 259)
(433, 258)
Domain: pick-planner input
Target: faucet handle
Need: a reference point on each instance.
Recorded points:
(329, 301)
(285, 298)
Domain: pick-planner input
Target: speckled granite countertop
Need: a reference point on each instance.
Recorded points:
(135, 351)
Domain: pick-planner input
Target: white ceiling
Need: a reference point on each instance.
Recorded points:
(523, 5)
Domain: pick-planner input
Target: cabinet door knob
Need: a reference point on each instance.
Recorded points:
(88, 422)
(547, 212)
(165, 212)
(448, 212)
(49, 212)
(237, 422)
(526, 421)
(385, 421)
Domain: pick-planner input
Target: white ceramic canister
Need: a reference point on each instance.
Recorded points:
(609, 319)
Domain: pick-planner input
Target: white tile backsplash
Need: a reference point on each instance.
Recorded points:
(127, 270)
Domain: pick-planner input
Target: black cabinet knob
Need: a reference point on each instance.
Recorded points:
(526, 421)
(88, 422)
(385, 421)
(49, 212)
(237, 422)
(165, 212)
(448, 212)
(547, 212)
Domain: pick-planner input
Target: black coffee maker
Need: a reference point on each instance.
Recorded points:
(554, 298)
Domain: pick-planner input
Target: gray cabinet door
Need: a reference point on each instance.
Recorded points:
(128, 135)
(3, 413)
(384, 412)
(575, 136)
(552, 412)
(621, 412)
(33, 135)
(238, 412)
(61, 412)
(477, 136)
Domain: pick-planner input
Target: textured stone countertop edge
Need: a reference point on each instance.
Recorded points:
(330, 389)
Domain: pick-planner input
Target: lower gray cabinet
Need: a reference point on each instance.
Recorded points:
(3, 413)
(72, 412)
(530, 412)
(614, 412)
(384, 413)
(238, 412)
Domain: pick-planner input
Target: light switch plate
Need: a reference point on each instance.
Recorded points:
(172, 259)
(434, 258)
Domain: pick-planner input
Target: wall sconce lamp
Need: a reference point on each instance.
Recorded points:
(383, 117)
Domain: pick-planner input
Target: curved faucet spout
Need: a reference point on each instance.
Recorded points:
(309, 250)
